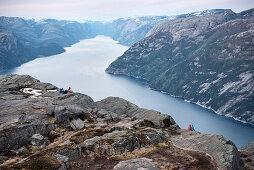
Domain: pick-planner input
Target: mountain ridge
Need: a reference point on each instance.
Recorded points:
(24, 40)
(203, 59)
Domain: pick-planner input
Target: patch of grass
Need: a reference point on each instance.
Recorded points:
(167, 122)
(147, 123)
(82, 136)
(82, 116)
(52, 136)
(162, 146)
(90, 120)
(85, 116)
(45, 162)
(99, 132)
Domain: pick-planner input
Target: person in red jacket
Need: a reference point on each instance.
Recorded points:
(189, 127)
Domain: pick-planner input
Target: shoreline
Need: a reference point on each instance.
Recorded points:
(180, 97)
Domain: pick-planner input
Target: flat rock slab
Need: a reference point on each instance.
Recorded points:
(140, 163)
(77, 124)
(221, 149)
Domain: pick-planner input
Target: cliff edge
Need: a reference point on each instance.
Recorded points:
(41, 128)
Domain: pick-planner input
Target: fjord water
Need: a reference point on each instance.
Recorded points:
(82, 67)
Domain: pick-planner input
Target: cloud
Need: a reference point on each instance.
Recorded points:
(103, 9)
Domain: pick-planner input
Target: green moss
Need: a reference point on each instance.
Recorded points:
(147, 123)
(82, 116)
(167, 122)
(47, 163)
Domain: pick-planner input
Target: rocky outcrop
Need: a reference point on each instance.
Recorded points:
(247, 155)
(249, 147)
(39, 141)
(223, 151)
(122, 107)
(77, 124)
(204, 59)
(71, 153)
(27, 112)
(140, 163)
(113, 143)
(44, 129)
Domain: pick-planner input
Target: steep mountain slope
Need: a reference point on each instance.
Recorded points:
(23, 40)
(205, 59)
(126, 31)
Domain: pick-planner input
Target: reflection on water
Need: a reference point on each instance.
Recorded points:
(82, 68)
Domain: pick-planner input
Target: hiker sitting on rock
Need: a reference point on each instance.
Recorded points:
(69, 89)
(65, 91)
(192, 128)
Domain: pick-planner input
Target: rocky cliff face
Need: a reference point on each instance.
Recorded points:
(23, 40)
(206, 59)
(29, 39)
(40, 128)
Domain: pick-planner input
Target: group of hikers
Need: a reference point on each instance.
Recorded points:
(191, 127)
(62, 91)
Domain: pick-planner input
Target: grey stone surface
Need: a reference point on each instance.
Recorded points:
(123, 107)
(107, 115)
(65, 162)
(221, 149)
(113, 143)
(247, 154)
(139, 164)
(249, 147)
(150, 136)
(23, 149)
(77, 124)
(37, 139)
(3, 158)
(71, 153)
(21, 135)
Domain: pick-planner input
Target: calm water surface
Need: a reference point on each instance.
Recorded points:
(82, 68)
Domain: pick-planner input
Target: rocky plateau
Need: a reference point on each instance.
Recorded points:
(43, 129)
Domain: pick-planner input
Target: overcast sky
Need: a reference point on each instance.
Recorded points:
(112, 9)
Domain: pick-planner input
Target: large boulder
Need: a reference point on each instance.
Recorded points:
(39, 141)
(118, 142)
(77, 124)
(83, 101)
(20, 135)
(149, 136)
(14, 82)
(65, 162)
(107, 115)
(139, 163)
(223, 151)
(121, 107)
(71, 153)
(113, 143)
(247, 154)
